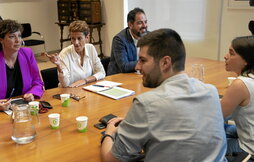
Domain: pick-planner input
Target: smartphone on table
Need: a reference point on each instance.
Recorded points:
(57, 96)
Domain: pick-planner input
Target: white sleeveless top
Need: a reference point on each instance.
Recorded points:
(244, 118)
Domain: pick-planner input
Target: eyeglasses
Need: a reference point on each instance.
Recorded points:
(75, 97)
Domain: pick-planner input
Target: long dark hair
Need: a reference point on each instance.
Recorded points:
(244, 46)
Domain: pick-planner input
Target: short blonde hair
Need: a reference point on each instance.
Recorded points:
(79, 26)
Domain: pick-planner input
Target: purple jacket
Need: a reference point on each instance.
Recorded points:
(32, 82)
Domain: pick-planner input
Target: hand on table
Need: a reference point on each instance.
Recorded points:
(5, 104)
(28, 97)
(77, 83)
(112, 125)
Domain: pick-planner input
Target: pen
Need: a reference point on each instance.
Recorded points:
(98, 85)
(12, 91)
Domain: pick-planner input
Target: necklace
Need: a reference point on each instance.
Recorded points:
(10, 64)
(10, 59)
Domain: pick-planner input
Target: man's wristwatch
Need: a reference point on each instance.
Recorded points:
(106, 135)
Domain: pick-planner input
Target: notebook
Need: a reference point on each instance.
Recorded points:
(109, 89)
(100, 86)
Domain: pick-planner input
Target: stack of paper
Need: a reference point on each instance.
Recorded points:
(100, 86)
(109, 89)
(108, 83)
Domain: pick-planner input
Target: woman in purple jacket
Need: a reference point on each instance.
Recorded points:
(19, 73)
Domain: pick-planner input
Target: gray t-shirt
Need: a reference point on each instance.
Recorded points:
(181, 120)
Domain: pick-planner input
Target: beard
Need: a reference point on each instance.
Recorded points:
(139, 33)
(153, 78)
(142, 34)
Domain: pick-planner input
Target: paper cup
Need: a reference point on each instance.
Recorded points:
(54, 120)
(230, 80)
(82, 123)
(34, 107)
(65, 99)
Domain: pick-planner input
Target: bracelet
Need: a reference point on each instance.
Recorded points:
(106, 135)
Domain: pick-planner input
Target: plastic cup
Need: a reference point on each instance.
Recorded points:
(197, 71)
(34, 107)
(65, 99)
(82, 123)
(54, 120)
(230, 80)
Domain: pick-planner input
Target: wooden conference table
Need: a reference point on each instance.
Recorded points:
(65, 143)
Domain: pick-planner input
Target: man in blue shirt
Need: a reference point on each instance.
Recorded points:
(124, 45)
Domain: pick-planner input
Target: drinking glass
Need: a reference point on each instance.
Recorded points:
(197, 71)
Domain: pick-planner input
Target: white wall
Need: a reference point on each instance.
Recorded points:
(206, 26)
(197, 21)
(113, 16)
(42, 15)
(235, 22)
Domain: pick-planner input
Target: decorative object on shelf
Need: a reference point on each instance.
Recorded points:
(88, 10)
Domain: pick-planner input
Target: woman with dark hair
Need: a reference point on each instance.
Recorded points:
(238, 100)
(19, 71)
(78, 64)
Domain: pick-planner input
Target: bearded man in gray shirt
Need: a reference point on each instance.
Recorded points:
(180, 120)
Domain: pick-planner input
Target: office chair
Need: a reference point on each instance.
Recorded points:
(32, 42)
(251, 27)
(105, 62)
(50, 78)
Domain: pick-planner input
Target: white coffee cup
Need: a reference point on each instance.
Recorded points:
(34, 107)
(54, 120)
(82, 123)
(65, 100)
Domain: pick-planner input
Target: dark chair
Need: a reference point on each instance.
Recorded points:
(251, 2)
(50, 78)
(251, 27)
(105, 62)
(27, 33)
